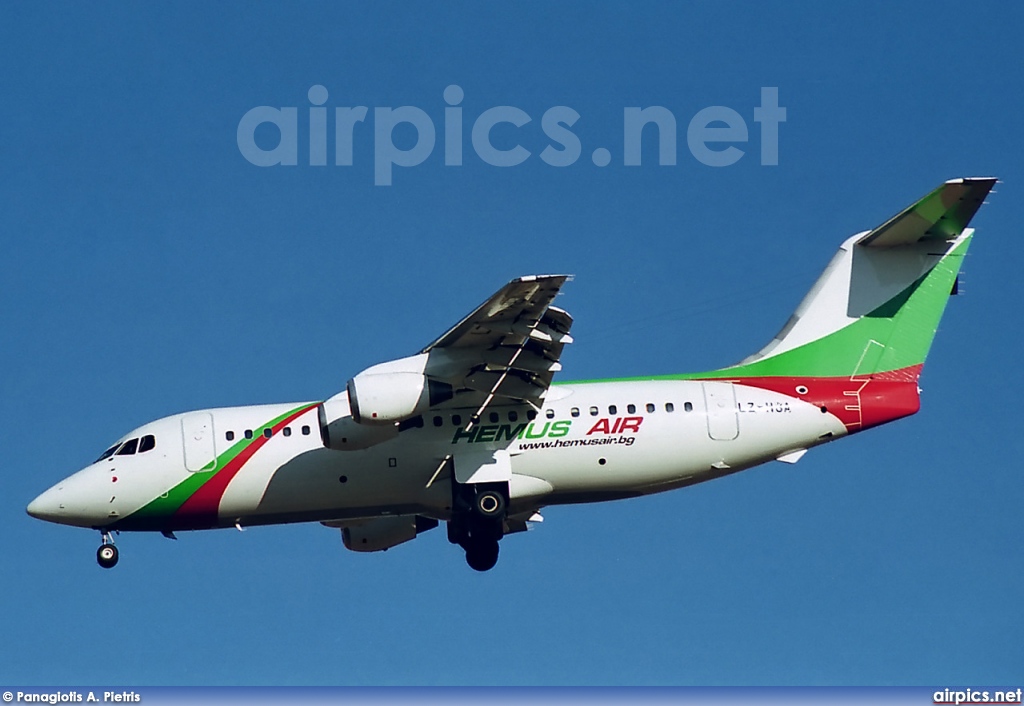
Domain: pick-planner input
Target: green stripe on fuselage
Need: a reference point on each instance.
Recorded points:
(168, 503)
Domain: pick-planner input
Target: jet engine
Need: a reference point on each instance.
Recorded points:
(340, 432)
(389, 397)
(382, 533)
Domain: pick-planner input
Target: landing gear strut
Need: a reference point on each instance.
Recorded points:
(106, 555)
(479, 522)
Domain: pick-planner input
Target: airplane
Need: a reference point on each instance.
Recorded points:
(471, 431)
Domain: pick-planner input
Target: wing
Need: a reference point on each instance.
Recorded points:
(509, 347)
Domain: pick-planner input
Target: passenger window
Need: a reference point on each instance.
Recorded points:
(457, 420)
(267, 432)
(305, 430)
(575, 411)
(512, 416)
(147, 443)
(230, 436)
(531, 415)
(550, 414)
(650, 407)
(108, 453)
(631, 409)
(129, 447)
(248, 433)
(612, 409)
(688, 407)
(593, 411)
(493, 416)
(669, 407)
(287, 431)
(438, 421)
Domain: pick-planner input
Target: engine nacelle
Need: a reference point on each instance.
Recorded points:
(340, 432)
(389, 397)
(382, 533)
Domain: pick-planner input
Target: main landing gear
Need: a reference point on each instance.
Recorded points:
(478, 522)
(106, 555)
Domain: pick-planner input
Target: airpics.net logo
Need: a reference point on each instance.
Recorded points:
(715, 135)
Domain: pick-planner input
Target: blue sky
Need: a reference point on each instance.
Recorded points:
(150, 268)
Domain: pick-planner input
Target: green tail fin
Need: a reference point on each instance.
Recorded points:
(877, 306)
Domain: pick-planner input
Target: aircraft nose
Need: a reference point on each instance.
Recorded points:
(47, 506)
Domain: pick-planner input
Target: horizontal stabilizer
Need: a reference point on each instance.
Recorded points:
(875, 309)
(941, 215)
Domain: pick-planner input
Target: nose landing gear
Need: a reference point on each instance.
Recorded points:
(106, 555)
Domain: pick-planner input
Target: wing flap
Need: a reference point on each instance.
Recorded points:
(508, 311)
(503, 384)
(507, 348)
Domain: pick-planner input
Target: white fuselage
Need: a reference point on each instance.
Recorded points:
(590, 442)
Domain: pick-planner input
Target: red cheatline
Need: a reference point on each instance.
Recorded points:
(201, 507)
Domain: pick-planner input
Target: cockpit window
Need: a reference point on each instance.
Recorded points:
(108, 453)
(132, 446)
(129, 447)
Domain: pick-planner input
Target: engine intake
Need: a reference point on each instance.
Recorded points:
(386, 398)
(340, 432)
